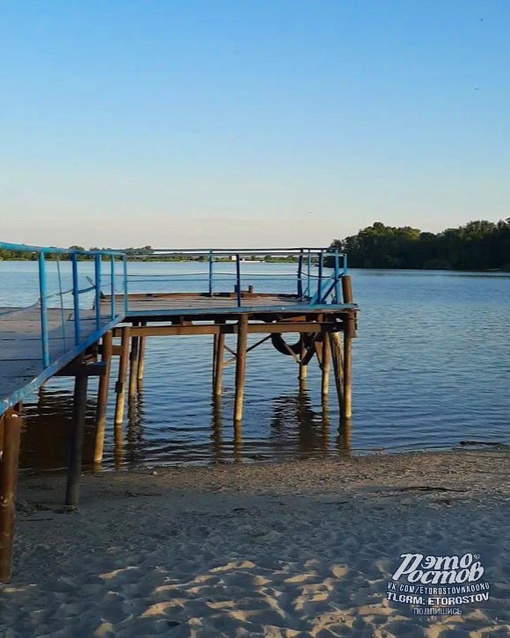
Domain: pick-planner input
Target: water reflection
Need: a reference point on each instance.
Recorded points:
(344, 437)
(291, 411)
(45, 435)
(295, 430)
(135, 432)
(216, 430)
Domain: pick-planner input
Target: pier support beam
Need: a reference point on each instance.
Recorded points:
(134, 363)
(348, 335)
(303, 363)
(141, 358)
(76, 439)
(242, 337)
(219, 347)
(338, 366)
(102, 397)
(10, 429)
(325, 366)
(344, 437)
(120, 386)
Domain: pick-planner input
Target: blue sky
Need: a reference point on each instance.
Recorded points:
(250, 123)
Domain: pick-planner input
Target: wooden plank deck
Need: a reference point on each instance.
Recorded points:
(21, 367)
(160, 306)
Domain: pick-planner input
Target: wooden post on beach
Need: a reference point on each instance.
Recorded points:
(120, 386)
(219, 346)
(9, 445)
(242, 337)
(102, 397)
(133, 369)
(76, 439)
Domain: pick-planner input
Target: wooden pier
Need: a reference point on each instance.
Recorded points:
(43, 342)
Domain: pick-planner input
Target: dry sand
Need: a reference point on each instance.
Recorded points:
(293, 549)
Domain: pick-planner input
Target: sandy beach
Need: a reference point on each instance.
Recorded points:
(284, 550)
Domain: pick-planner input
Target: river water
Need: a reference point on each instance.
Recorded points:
(431, 371)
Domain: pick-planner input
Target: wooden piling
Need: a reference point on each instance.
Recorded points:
(141, 357)
(133, 367)
(120, 386)
(338, 367)
(344, 437)
(303, 367)
(347, 289)
(325, 366)
(102, 397)
(219, 347)
(11, 422)
(215, 347)
(118, 446)
(76, 440)
(242, 336)
(348, 335)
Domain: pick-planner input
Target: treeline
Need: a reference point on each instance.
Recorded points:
(26, 255)
(479, 245)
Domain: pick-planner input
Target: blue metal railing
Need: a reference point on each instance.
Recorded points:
(43, 255)
(314, 275)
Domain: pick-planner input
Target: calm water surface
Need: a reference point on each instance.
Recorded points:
(431, 369)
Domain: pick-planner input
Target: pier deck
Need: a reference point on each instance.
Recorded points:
(203, 306)
(40, 341)
(21, 364)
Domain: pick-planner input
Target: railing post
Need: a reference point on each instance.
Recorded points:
(44, 311)
(97, 271)
(300, 275)
(337, 277)
(319, 285)
(309, 274)
(112, 287)
(210, 273)
(238, 279)
(76, 299)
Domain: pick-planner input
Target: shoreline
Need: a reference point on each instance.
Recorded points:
(298, 548)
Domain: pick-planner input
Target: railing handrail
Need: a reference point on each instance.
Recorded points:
(320, 288)
(96, 255)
